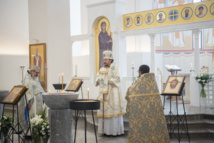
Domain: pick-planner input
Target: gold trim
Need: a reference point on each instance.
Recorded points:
(103, 92)
(137, 95)
(110, 116)
(101, 100)
(103, 72)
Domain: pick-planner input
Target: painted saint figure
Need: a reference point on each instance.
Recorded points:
(186, 15)
(138, 21)
(201, 13)
(105, 43)
(37, 61)
(161, 19)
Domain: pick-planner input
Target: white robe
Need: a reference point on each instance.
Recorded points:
(108, 81)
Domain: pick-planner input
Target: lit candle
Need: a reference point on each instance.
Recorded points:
(62, 83)
(88, 93)
(59, 78)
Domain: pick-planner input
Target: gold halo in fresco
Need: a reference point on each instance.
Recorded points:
(106, 21)
(161, 17)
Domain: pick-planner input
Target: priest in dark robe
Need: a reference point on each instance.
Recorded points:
(145, 112)
(105, 43)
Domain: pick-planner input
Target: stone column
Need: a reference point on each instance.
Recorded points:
(60, 125)
(152, 57)
(196, 34)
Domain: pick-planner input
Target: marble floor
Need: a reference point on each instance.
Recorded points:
(118, 139)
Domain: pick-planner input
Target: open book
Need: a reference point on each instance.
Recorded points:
(172, 68)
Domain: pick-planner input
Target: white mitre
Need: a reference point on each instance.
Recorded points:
(107, 55)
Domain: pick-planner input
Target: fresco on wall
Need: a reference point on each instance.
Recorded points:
(170, 12)
(103, 40)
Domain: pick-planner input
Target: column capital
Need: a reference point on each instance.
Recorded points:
(152, 36)
(195, 31)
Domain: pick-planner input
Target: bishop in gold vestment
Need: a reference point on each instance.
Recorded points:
(145, 112)
(108, 80)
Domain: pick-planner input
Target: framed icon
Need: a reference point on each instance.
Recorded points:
(201, 10)
(37, 56)
(74, 85)
(14, 95)
(186, 13)
(212, 9)
(174, 85)
(138, 20)
(128, 21)
(149, 18)
(161, 17)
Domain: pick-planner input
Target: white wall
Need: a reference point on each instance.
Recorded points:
(14, 35)
(51, 24)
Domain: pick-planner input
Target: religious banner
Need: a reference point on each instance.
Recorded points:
(103, 40)
(37, 56)
(169, 16)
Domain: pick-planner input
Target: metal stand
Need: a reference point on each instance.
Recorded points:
(180, 120)
(17, 128)
(133, 74)
(22, 68)
(85, 120)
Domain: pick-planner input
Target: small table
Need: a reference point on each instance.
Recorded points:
(84, 104)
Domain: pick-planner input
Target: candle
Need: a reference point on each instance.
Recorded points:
(132, 64)
(76, 70)
(62, 83)
(88, 93)
(49, 92)
(59, 78)
(191, 65)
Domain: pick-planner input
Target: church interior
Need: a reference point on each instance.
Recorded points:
(56, 52)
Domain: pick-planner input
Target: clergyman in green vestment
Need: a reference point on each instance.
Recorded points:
(144, 109)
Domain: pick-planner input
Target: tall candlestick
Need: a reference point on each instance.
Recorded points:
(62, 83)
(88, 93)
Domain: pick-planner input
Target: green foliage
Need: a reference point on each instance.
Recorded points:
(5, 124)
(203, 80)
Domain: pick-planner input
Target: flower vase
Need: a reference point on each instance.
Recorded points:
(203, 98)
(203, 93)
(203, 102)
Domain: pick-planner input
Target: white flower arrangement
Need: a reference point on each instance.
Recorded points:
(40, 127)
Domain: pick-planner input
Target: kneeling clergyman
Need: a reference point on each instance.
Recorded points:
(110, 115)
(145, 112)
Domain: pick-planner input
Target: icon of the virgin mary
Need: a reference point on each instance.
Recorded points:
(105, 42)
